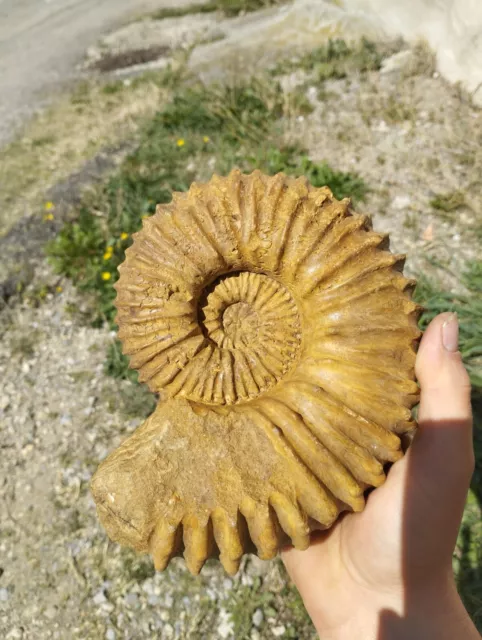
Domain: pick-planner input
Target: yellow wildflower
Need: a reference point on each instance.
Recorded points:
(48, 216)
(106, 275)
(206, 139)
(58, 289)
(49, 206)
(181, 142)
(108, 253)
(124, 235)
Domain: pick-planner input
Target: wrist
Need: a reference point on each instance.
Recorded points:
(433, 612)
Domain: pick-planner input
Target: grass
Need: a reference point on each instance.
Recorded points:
(230, 8)
(336, 59)
(238, 125)
(449, 201)
(468, 307)
(242, 604)
(63, 137)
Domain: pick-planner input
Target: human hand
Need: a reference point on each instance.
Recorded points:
(387, 572)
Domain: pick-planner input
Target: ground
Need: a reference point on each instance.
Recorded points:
(414, 140)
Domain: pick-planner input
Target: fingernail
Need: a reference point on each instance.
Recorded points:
(450, 333)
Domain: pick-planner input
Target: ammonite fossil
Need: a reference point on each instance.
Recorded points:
(280, 334)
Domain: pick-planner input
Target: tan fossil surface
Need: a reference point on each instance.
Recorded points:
(280, 334)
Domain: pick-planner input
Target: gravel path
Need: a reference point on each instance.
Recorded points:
(60, 577)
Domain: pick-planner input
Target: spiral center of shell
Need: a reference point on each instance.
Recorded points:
(253, 321)
(240, 324)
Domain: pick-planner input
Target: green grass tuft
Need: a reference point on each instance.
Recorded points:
(468, 307)
(449, 201)
(230, 8)
(336, 59)
(242, 604)
(117, 364)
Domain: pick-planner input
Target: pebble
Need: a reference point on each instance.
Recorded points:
(153, 600)
(278, 631)
(401, 202)
(110, 634)
(168, 601)
(225, 627)
(257, 617)
(168, 631)
(396, 63)
(246, 580)
(99, 598)
(131, 599)
(50, 613)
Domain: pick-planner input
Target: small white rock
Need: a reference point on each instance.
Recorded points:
(131, 599)
(50, 613)
(99, 598)
(225, 627)
(396, 63)
(257, 617)
(4, 595)
(278, 631)
(401, 202)
(110, 634)
(246, 580)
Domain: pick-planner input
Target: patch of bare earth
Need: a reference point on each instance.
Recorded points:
(411, 136)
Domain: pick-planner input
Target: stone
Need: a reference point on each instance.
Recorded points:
(99, 598)
(401, 202)
(278, 631)
(257, 618)
(397, 63)
(225, 626)
(131, 599)
(280, 335)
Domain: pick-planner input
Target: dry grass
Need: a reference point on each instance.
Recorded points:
(61, 139)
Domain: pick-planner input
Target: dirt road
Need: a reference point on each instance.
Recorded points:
(41, 41)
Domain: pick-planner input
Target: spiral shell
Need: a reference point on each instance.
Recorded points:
(280, 335)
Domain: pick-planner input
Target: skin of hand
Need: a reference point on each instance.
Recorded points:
(386, 573)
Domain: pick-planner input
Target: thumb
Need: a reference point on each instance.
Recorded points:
(442, 456)
(443, 379)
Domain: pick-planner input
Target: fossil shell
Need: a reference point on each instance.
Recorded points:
(280, 334)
